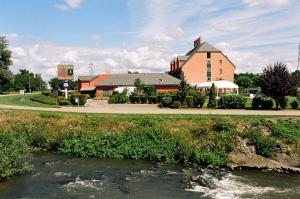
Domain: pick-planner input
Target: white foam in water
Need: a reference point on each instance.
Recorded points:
(79, 183)
(230, 187)
(62, 174)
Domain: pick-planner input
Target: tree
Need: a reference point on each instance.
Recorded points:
(277, 82)
(57, 84)
(243, 82)
(247, 80)
(6, 76)
(139, 85)
(183, 90)
(296, 76)
(212, 97)
(28, 81)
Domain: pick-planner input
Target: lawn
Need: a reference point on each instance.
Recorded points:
(23, 101)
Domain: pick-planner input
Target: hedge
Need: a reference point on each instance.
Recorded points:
(232, 102)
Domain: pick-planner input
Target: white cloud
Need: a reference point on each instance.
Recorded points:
(44, 57)
(96, 37)
(11, 36)
(69, 4)
(264, 3)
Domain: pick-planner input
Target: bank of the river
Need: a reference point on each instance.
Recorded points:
(213, 141)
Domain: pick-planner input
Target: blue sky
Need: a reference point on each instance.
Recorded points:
(144, 35)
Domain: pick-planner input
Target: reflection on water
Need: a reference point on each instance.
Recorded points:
(58, 176)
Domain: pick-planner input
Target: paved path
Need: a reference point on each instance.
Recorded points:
(97, 106)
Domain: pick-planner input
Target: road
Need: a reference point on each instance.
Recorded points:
(97, 106)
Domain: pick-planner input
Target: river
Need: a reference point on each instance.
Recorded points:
(63, 177)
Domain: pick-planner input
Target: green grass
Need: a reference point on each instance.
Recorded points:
(23, 101)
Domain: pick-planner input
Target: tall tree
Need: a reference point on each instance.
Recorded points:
(28, 81)
(296, 76)
(212, 97)
(139, 85)
(183, 90)
(57, 84)
(6, 76)
(277, 82)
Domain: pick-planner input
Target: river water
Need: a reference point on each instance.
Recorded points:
(62, 177)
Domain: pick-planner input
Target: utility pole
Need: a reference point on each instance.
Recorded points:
(91, 69)
(298, 66)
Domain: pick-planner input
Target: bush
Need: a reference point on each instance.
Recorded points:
(261, 102)
(212, 97)
(46, 93)
(283, 102)
(189, 101)
(294, 104)
(149, 90)
(44, 99)
(118, 98)
(198, 99)
(264, 145)
(143, 98)
(64, 102)
(232, 102)
(14, 155)
(176, 104)
(152, 99)
(166, 102)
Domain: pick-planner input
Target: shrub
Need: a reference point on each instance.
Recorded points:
(261, 102)
(294, 104)
(152, 99)
(223, 124)
(286, 130)
(143, 99)
(283, 102)
(44, 99)
(232, 102)
(212, 97)
(176, 104)
(14, 155)
(189, 101)
(46, 93)
(198, 99)
(149, 90)
(82, 100)
(267, 103)
(166, 102)
(64, 102)
(264, 145)
(118, 98)
(132, 99)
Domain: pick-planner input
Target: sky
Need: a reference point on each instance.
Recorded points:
(118, 36)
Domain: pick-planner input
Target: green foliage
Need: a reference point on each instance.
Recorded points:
(25, 80)
(150, 90)
(296, 77)
(294, 104)
(212, 158)
(283, 102)
(82, 98)
(139, 85)
(212, 97)
(190, 101)
(176, 104)
(118, 98)
(262, 102)
(183, 89)
(44, 99)
(63, 101)
(14, 155)
(247, 80)
(152, 99)
(57, 84)
(198, 99)
(232, 102)
(143, 99)
(166, 102)
(264, 145)
(243, 82)
(286, 130)
(6, 76)
(223, 124)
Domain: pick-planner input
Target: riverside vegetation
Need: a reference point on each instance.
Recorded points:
(185, 139)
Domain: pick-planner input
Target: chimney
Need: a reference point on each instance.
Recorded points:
(197, 42)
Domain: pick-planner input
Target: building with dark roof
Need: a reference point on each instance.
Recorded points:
(104, 84)
(203, 63)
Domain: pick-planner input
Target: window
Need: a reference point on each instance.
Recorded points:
(208, 55)
(208, 69)
(220, 61)
(220, 71)
(105, 92)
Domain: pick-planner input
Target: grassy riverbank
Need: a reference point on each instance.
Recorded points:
(202, 139)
